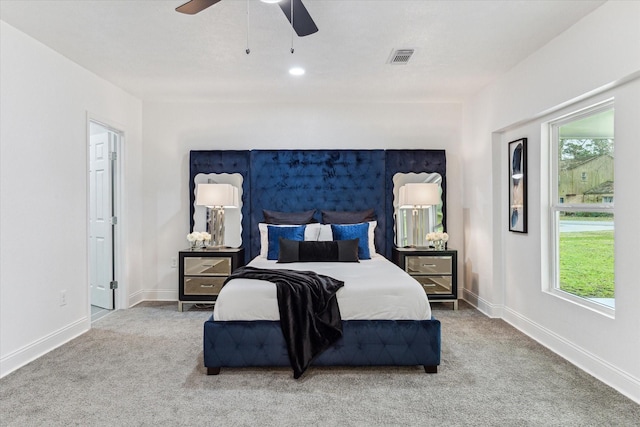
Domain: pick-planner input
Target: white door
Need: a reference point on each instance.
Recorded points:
(101, 271)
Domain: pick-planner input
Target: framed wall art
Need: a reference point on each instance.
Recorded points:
(518, 185)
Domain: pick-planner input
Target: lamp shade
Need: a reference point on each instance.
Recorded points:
(419, 194)
(212, 195)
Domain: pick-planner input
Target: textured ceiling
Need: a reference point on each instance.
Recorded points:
(155, 53)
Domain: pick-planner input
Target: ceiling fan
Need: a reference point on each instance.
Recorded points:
(302, 22)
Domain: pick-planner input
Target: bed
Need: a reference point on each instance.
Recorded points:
(333, 180)
(386, 316)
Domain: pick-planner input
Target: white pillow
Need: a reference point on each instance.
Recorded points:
(372, 238)
(311, 232)
(325, 234)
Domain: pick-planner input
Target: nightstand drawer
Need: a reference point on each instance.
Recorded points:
(428, 264)
(207, 266)
(203, 285)
(434, 285)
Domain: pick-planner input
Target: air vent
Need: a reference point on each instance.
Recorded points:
(400, 56)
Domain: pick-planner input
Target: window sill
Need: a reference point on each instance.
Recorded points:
(603, 306)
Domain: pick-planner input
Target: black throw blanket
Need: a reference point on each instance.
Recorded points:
(309, 313)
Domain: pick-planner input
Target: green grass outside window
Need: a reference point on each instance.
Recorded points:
(586, 264)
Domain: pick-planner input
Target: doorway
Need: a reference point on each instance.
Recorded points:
(104, 143)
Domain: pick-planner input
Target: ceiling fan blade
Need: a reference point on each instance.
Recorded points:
(194, 6)
(302, 22)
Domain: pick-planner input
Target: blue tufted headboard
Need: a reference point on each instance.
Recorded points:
(300, 180)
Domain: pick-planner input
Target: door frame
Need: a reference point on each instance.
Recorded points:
(119, 296)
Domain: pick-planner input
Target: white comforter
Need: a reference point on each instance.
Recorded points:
(374, 289)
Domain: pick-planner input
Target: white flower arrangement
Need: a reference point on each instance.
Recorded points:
(198, 236)
(434, 237)
(438, 240)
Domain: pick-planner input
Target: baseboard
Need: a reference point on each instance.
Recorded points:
(135, 299)
(152, 295)
(31, 352)
(491, 310)
(622, 381)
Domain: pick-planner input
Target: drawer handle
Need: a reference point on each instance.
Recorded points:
(207, 265)
(428, 265)
(206, 286)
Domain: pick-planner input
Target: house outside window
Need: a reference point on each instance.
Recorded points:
(582, 209)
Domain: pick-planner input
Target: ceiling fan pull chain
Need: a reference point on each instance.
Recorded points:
(248, 51)
(292, 28)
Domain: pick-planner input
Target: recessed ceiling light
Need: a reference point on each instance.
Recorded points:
(270, 1)
(296, 71)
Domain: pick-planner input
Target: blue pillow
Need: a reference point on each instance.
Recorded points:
(274, 233)
(354, 231)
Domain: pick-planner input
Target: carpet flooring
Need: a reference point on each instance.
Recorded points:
(143, 367)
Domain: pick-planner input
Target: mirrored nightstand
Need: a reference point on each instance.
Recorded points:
(202, 273)
(435, 270)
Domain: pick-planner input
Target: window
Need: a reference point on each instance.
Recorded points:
(582, 209)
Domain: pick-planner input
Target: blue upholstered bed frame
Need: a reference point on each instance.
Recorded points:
(336, 180)
(363, 343)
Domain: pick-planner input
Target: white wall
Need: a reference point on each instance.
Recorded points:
(172, 130)
(45, 102)
(505, 272)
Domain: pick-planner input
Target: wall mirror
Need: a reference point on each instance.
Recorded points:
(232, 216)
(405, 219)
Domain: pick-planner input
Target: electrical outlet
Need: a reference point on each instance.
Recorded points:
(174, 262)
(63, 298)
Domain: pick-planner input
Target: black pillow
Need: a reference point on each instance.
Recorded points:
(345, 217)
(288, 218)
(312, 251)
